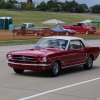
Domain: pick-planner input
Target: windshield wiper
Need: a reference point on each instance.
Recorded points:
(37, 47)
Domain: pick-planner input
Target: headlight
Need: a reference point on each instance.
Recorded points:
(44, 59)
(9, 56)
(91, 28)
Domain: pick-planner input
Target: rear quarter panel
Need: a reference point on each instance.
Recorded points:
(93, 50)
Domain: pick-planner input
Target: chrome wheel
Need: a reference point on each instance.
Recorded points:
(89, 63)
(35, 34)
(15, 33)
(66, 33)
(86, 32)
(55, 69)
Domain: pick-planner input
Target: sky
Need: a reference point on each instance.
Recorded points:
(89, 3)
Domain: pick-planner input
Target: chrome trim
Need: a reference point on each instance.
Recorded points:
(9, 62)
(72, 65)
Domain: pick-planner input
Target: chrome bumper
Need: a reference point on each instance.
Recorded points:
(9, 62)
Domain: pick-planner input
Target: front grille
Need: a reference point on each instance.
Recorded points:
(24, 58)
(93, 28)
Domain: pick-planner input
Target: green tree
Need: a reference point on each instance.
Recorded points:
(52, 5)
(96, 9)
(42, 6)
(82, 8)
(2, 3)
(23, 5)
(30, 6)
(72, 6)
(8, 5)
(12, 1)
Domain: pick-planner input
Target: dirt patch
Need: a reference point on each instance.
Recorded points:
(8, 35)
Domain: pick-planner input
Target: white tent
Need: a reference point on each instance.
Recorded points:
(86, 21)
(53, 21)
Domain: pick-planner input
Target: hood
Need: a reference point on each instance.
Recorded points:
(90, 27)
(35, 52)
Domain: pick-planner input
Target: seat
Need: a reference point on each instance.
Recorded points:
(63, 46)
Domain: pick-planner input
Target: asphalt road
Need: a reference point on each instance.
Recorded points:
(74, 83)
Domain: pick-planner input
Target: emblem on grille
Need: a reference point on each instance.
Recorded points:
(23, 58)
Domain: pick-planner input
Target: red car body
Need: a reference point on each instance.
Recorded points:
(81, 27)
(53, 58)
(36, 31)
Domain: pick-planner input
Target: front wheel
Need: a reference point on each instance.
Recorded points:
(15, 33)
(18, 70)
(89, 63)
(55, 70)
(86, 32)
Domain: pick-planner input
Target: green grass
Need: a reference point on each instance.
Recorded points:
(37, 18)
(18, 42)
(33, 41)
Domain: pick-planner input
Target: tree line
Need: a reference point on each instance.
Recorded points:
(51, 6)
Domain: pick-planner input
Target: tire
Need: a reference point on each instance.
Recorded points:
(36, 34)
(89, 63)
(18, 70)
(15, 33)
(86, 32)
(55, 70)
(66, 33)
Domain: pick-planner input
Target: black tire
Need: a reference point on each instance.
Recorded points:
(18, 70)
(89, 63)
(55, 70)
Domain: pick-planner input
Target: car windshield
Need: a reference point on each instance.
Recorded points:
(84, 24)
(51, 43)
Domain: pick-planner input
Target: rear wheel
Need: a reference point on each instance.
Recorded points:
(36, 34)
(18, 70)
(66, 33)
(89, 63)
(55, 70)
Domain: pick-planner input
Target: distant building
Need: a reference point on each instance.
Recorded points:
(17, 5)
(29, 1)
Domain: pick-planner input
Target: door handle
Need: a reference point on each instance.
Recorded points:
(82, 50)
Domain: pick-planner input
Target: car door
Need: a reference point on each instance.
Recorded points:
(75, 54)
(75, 27)
(80, 27)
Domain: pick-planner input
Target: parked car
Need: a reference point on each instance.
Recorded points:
(29, 29)
(60, 30)
(81, 27)
(53, 54)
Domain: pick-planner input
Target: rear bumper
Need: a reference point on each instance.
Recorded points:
(92, 31)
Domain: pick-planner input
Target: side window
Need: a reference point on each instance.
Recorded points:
(75, 24)
(63, 43)
(79, 24)
(75, 44)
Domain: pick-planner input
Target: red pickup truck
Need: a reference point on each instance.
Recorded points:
(81, 27)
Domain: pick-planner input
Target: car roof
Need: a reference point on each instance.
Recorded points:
(27, 23)
(64, 37)
(69, 38)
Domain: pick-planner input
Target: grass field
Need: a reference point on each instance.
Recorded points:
(37, 18)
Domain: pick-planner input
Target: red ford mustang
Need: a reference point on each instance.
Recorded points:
(52, 54)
